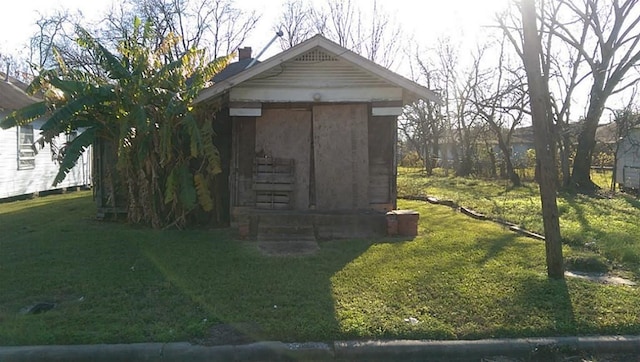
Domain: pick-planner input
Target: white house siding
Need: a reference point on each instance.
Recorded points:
(628, 161)
(14, 182)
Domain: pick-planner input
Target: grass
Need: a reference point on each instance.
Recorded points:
(607, 226)
(116, 283)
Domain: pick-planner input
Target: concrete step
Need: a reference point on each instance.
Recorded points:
(286, 219)
(295, 237)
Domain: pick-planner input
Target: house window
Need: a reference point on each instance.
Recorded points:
(26, 152)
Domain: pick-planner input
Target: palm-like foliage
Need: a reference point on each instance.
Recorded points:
(166, 158)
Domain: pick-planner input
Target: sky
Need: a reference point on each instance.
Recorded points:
(426, 19)
(465, 22)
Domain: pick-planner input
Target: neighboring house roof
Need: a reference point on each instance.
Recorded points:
(606, 133)
(318, 41)
(522, 135)
(233, 69)
(13, 94)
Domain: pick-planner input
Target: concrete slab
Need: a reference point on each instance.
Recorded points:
(393, 350)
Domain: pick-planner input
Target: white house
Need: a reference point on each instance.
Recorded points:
(26, 168)
(628, 161)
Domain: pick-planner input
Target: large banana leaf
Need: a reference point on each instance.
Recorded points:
(163, 152)
(24, 115)
(73, 150)
(65, 114)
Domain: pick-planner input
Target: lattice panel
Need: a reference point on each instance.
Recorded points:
(316, 55)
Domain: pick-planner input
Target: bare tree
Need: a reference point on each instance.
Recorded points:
(423, 125)
(296, 23)
(464, 124)
(458, 128)
(372, 33)
(545, 155)
(217, 25)
(55, 34)
(498, 99)
(563, 69)
(607, 39)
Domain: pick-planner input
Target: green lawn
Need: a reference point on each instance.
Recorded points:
(609, 226)
(112, 282)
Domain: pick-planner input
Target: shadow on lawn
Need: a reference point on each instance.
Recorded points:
(143, 285)
(497, 246)
(632, 200)
(543, 298)
(245, 296)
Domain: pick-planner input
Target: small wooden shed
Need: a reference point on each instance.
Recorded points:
(312, 131)
(628, 161)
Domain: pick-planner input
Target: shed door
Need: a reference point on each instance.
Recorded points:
(286, 134)
(340, 154)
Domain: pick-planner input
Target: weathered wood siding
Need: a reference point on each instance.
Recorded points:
(341, 154)
(222, 126)
(244, 153)
(381, 171)
(14, 182)
(286, 134)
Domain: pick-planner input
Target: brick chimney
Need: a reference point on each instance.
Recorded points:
(244, 53)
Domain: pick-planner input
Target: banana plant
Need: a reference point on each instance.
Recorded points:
(142, 104)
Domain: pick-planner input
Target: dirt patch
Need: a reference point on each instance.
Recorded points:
(600, 278)
(594, 264)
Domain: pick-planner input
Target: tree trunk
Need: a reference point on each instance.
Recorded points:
(581, 175)
(565, 152)
(513, 176)
(493, 169)
(511, 173)
(435, 151)
(544, 144)
(427, 160)
(614, 174)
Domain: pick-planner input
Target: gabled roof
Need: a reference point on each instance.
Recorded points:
(338, 51)
(13, 94)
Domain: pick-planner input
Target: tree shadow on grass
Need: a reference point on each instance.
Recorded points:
(633, 201)
(496, 246)
(548, 303)
(617, 244)
(127, 284)
(579, 210)
(257, 297)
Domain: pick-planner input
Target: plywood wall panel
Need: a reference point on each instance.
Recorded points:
(341, 156)
(244, 129)
(286, 133)
(381, 149)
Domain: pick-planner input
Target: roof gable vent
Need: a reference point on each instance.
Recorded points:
(316, 55)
